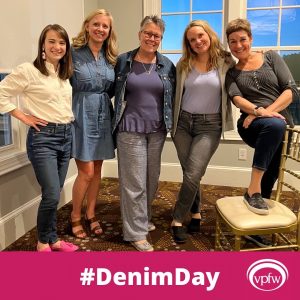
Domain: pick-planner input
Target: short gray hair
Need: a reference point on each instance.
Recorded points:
(153, 19)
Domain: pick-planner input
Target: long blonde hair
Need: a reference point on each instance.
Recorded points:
(216, 49)
(110, 44)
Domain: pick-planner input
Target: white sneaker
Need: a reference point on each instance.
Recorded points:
(143, 247)
(151, 226)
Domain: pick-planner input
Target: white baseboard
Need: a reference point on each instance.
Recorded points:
(217, 175)
(20, 221)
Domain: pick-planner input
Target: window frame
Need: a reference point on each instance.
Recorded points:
(14, 156)
(232, 9)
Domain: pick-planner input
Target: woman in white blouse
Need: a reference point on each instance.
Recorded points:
(46, 95)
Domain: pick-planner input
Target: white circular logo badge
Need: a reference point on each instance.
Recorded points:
(267, 274)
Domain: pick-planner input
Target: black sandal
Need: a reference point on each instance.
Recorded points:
(194, 225)
(179, 234)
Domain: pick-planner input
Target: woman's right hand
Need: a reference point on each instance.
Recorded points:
(264, 112)
(29, 120)
(33, 121)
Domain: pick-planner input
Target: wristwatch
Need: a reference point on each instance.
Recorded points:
(256, 108)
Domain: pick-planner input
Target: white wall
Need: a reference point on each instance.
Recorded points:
(21, 22)
(127, 17)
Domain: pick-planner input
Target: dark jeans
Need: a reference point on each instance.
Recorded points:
(49, 151)
(265, 135)
(196, 140)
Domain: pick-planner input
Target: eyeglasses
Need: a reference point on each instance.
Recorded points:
(149, 35)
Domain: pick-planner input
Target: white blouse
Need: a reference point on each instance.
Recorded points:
(46, 97)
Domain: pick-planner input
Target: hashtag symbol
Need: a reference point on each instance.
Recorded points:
(87, 276)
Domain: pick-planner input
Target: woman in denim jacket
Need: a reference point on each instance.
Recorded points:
(202, 112)
(144, 90)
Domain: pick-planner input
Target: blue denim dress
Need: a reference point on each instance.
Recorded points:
(92, 84)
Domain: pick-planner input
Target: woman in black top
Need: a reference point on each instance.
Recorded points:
(262, 86)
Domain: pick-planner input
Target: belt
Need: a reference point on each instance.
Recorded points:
(61, 125)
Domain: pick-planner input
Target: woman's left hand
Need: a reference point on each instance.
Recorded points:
(248, 121)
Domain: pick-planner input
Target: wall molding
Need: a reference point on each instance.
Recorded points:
(18, 222)
(216, 175)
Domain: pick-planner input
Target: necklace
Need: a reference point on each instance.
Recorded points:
(148, 71)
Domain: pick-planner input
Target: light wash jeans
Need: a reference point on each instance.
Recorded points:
(139, 157)
(49, 151)
(196, 139)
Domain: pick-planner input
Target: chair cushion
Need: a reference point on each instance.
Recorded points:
(236, 212)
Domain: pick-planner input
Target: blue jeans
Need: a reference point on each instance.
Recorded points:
(265, 135)
(49, 151)
(139, 158)
(196, 139)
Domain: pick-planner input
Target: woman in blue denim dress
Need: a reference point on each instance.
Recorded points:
(46, 97)
(94, 55)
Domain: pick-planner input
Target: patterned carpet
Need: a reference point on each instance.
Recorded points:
(108, 211)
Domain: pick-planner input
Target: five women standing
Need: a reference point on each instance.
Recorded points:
(144, 89)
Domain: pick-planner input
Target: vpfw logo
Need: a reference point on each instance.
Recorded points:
(267, 274)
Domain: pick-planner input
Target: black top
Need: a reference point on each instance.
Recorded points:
(263, 85)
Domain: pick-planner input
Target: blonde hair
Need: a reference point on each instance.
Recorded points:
(238, 25)
(216, 49)
(110, 44)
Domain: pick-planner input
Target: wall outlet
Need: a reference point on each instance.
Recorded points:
(242, 154)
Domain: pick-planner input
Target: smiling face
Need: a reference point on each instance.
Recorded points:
(54, 47)
(198, 40)
(240, 44)
(150, 37)
(98, 29)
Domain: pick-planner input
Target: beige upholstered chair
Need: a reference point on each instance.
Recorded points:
(235, 219)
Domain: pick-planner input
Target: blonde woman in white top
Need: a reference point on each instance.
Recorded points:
(46, 94)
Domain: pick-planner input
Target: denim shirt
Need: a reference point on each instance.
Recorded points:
(165, 70)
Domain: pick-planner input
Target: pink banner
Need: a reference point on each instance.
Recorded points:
(158, 275)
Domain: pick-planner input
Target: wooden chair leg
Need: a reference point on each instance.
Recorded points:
(237, 242)
(274, 239)
(217, 237)
(298, 239)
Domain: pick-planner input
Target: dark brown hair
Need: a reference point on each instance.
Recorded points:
(65, 63)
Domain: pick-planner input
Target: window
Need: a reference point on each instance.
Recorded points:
(5, 125)
(12, 141)
(177, 16)
(274, 24)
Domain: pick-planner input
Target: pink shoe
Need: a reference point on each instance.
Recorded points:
(65, 247)
(47, 249)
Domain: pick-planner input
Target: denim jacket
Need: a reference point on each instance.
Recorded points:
(167, 73)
